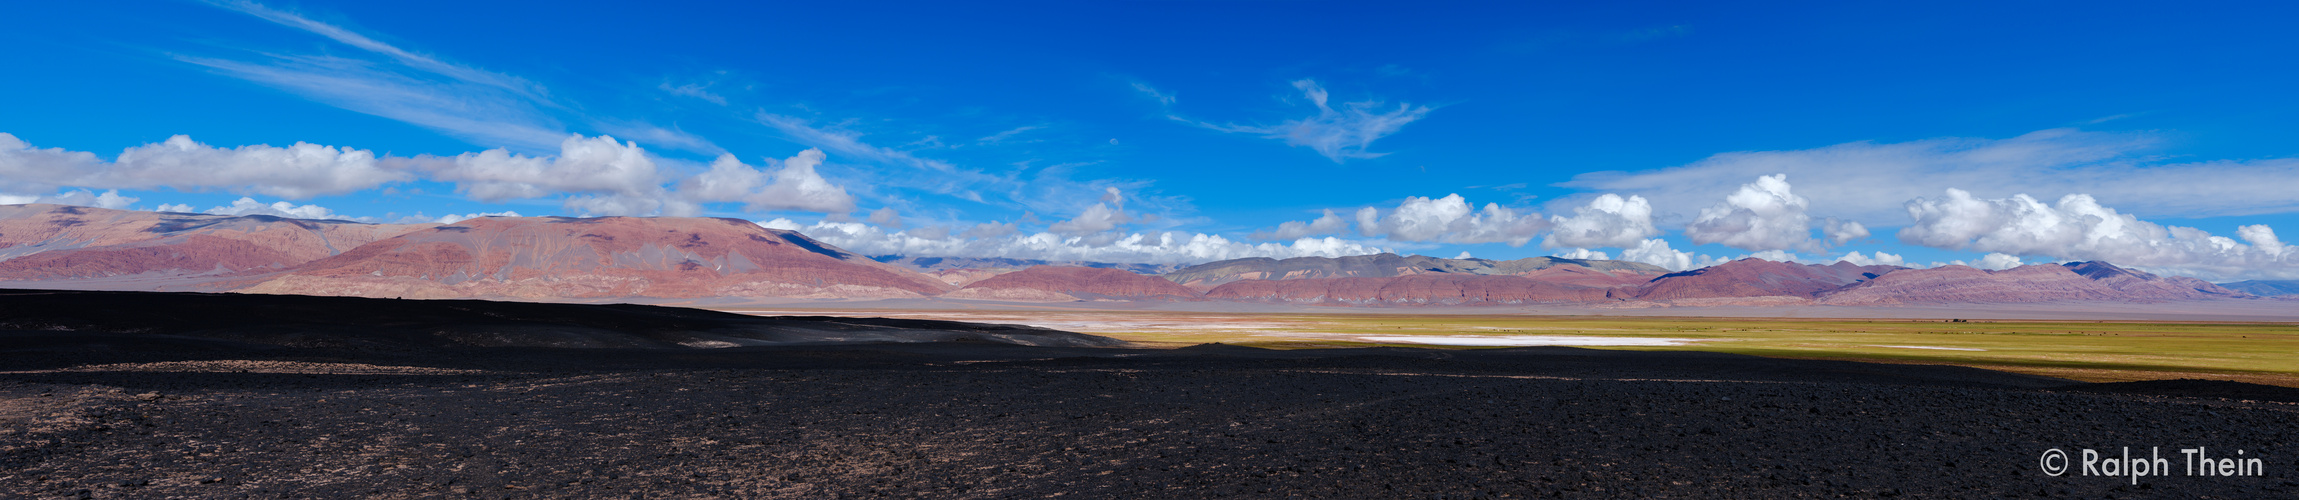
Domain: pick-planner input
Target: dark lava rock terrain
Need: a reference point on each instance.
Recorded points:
(144, 415)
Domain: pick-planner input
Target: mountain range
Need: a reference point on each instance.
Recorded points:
(562, 258)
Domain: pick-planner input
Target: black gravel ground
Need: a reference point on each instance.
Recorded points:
(406, 411)
(991, 421)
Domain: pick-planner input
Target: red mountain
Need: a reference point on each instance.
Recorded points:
(1758, 278)
(1588, 272)
(1063, 283)
(1419, 289)
(2079, 281)
(101, 248)
(559, 257)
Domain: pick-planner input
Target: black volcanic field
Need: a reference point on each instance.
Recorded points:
(154, 395)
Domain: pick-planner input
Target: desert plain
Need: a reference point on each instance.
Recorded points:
(465, 399)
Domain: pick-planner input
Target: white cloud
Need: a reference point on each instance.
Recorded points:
(1165, 247)
(1879, 259)
(1162, 98)
(1865, 181)
(1464, 256)
(1842, 231)
(598, 175)
(1776, 256)
(299, 171)
(1451, 220)
(2079, 228)
(783, 224)
(1330, 223)
(1607, 221)
(1097, 218)
(1997, 262)
(1583, 254)
(1657, 252)
(481, 106)
(886, 217)
(454, 218)
(946, 179)
(698, 91)
(796, 186)
(248, 206)
(992, 229)
(79, 197)
(1338, 134)
(1007, 134)
(1762, 215)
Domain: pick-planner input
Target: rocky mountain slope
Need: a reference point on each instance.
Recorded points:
(558, 257)
(1418, 289)
(2264, 288)
(57, 242)
(2072, 282)
(548, 258)
(932, 264)
(1590, 272)
(1060, 283)
(1747, 278)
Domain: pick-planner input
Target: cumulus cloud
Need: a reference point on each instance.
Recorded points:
(1878, 259)
(1842, 231)
(992, 229)
(299, 171)
(2077, 227)
(1142, 247)
(1607, 221)
(886, 217)
(454, 218)
(1866, 181)
(1339, 134)
(249, 206)
(1657, 252)
(1097, 218)
(1583, 254)
(1450, 220)
(1330, 223)
(795, 186)
(1776, 256)
(598, 175)
(80, 197)
(1997, 262)
(1763, 215)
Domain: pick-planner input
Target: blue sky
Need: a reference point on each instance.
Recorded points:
(1174, 131)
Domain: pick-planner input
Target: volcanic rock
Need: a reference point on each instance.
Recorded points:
(1059, 283)
(187, 322)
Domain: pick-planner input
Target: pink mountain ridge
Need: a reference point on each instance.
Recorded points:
(558, 258)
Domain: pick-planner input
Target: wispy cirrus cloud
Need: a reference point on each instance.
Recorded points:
(483, 107)
(694, 90)
(1339, 134)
